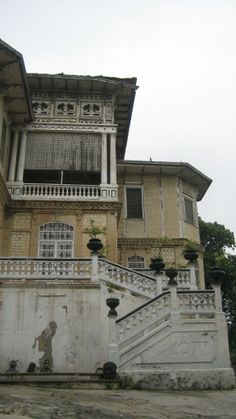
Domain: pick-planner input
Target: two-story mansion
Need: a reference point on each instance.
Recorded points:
(62, 147)
(63, 141)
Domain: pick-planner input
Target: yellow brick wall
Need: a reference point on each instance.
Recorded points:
(163, 209)
(21, 231)
(163, 217)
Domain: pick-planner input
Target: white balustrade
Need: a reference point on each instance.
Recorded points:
(45, 269)
(127, 279)
(183, 279)
(157, 311)
(196, 302)
(61, 192)
(141, 318)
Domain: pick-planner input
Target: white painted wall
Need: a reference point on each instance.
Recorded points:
(80, 342)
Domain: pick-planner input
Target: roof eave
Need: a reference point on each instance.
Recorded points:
(202, 182)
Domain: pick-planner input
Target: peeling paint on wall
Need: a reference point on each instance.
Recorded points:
(45, 345)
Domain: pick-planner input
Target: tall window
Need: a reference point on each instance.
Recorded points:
(56, 240)
(134, 205)
(136, 262)
(188, 210)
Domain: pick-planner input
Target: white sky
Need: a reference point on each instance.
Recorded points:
(183, 54)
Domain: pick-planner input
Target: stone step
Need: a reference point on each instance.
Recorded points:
(60, 380)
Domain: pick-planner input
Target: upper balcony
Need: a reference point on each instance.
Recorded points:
(37, 191)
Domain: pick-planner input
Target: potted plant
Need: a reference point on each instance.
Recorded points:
(94, 243)
(190, 251)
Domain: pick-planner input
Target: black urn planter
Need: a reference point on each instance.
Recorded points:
(156, 264)
(190, 255)
(109, 371)
(217, 274)
(171, 273)
(94, 245)
(112, 303)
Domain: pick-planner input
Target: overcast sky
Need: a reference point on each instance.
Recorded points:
(184, 56)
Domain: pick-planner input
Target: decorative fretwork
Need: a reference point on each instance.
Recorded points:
(108, 111)
(91, 109)
(166, 253)
(41, 107)
(65, 108)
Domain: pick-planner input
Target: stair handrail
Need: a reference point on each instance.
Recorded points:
(152, 300)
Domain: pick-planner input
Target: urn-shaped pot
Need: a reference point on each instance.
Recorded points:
(94, 245)
(216, 274)
(190, 255)
(112, 303)
(171, 273)
(156, 264)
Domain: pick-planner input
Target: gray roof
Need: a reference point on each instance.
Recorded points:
(13, 82)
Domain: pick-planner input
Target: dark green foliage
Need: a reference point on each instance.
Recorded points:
(217, 241)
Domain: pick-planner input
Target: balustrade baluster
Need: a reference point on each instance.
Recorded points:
(75, 269)
(11, 267)
(5, 267)
(134, 321)
(55, 191)
(127, 324)
(28, 268)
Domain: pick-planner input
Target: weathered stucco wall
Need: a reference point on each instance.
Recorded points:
(61, 321)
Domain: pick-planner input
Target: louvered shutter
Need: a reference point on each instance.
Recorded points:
(188, 206)
(134, 202)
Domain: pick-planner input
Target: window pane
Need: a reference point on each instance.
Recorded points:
(56, 240)
(136, 262)
(134, 202)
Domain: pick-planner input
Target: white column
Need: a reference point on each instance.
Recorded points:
(94, 272)
(21, 161)
(159, 283)
(193, 277)
(113, 351)
(7, 148)
(218, 298)
(174, 303)
(12, 170)
(113, 159)
(104, 160)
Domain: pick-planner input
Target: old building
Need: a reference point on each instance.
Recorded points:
(62, 166)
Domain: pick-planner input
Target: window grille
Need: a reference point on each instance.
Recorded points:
(56, 240)
(136, 262)
(134, 203)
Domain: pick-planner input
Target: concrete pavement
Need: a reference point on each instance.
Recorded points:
(18, 402)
